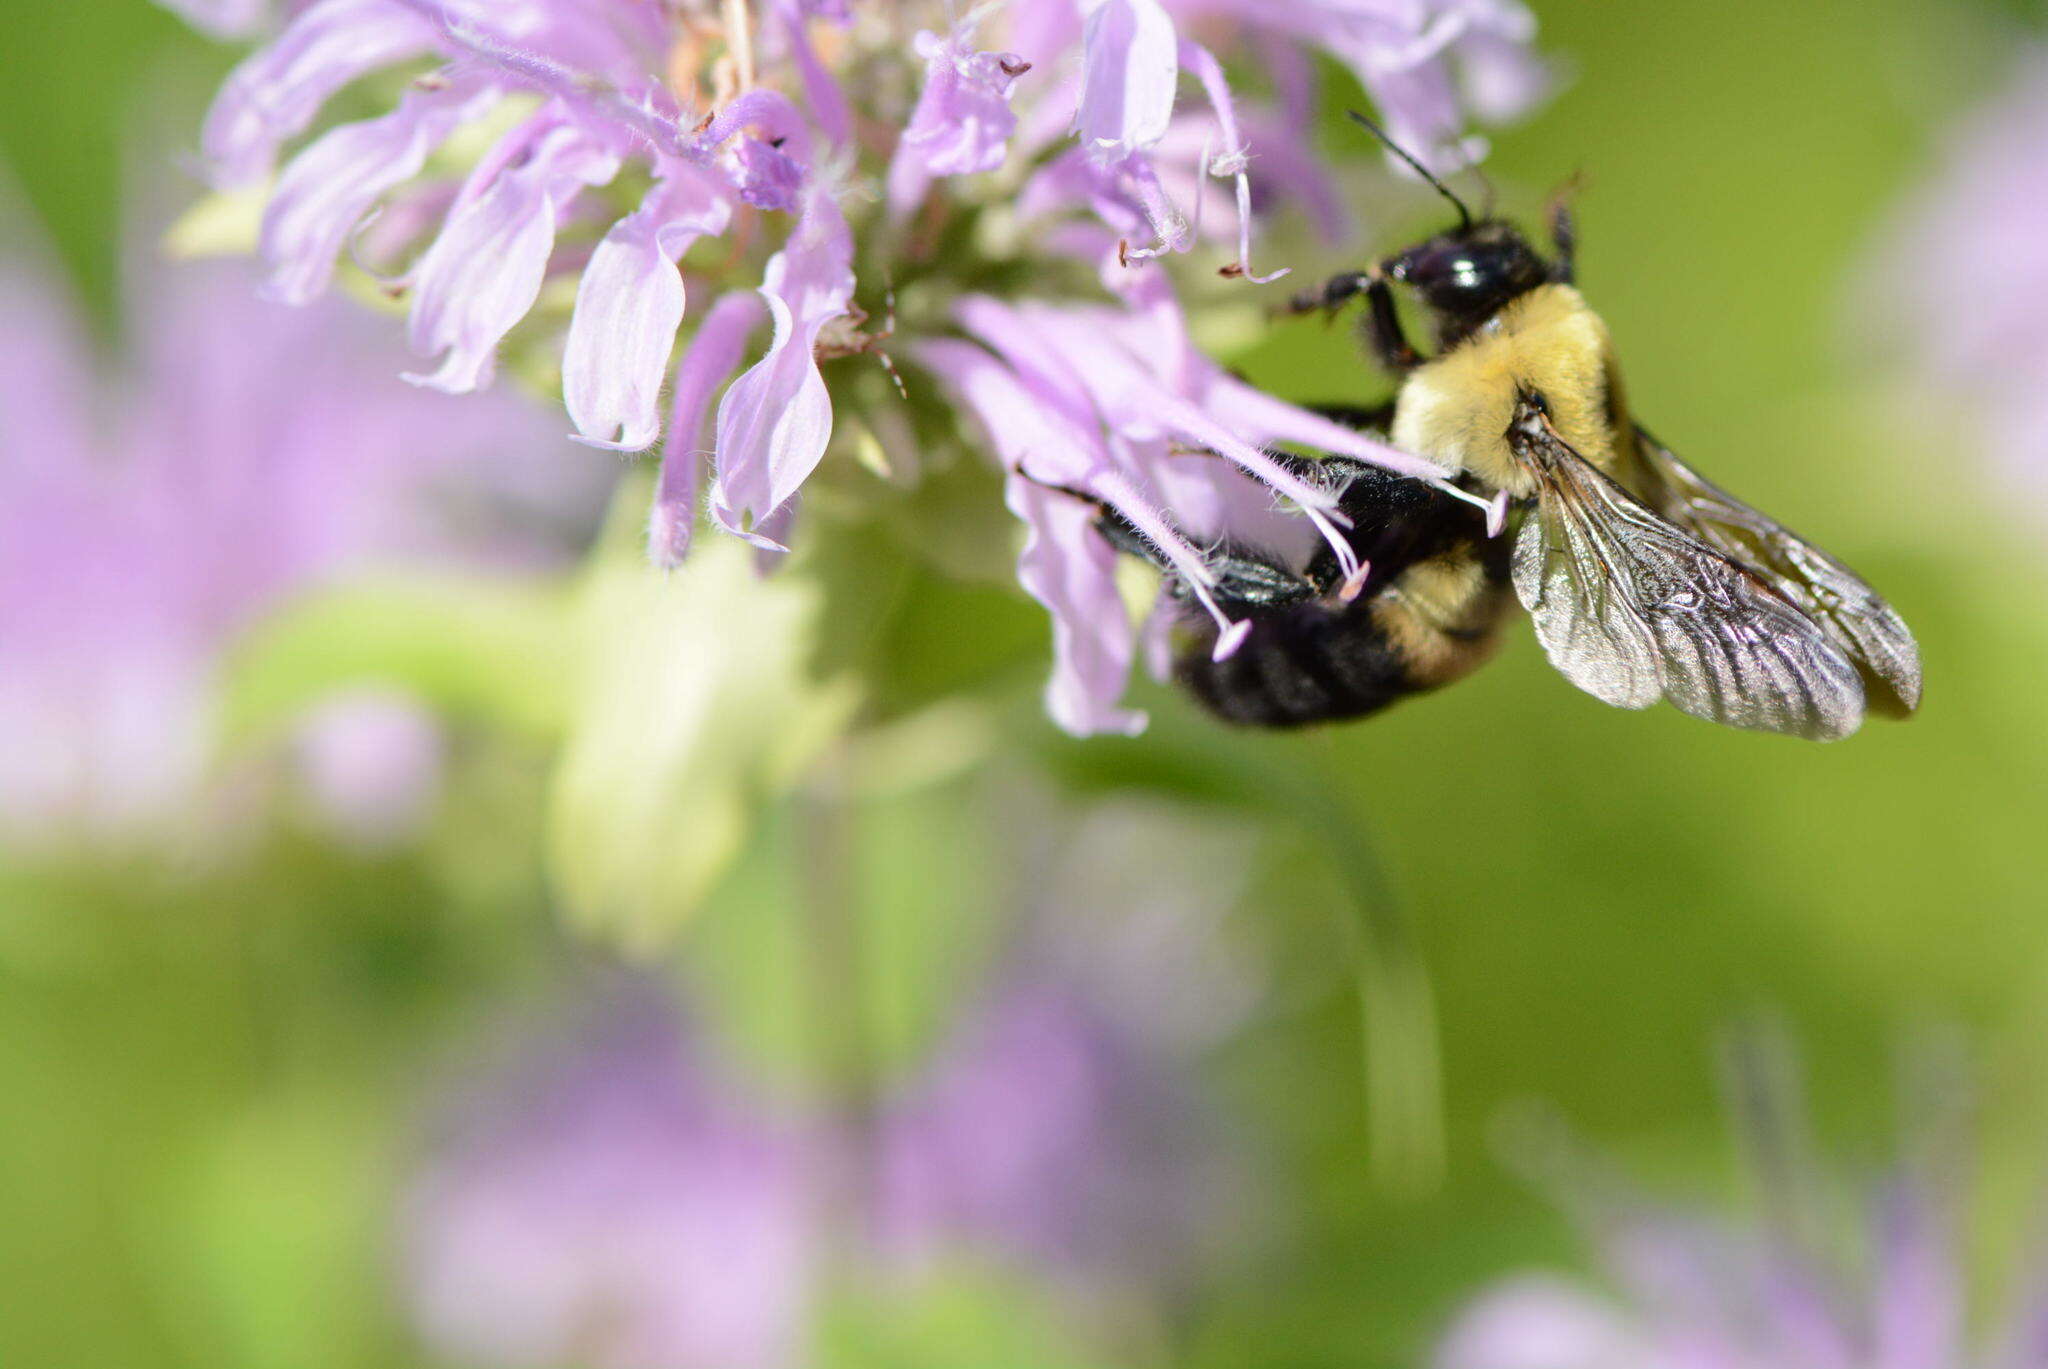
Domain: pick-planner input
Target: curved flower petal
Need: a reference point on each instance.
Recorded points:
(628, 307)
(327, 189)
(822, 91)
(1129, 67)
(769, 170)
(712, 356)
(963, 120)
(484, 270)
(1065, 564)
(276, 92)
(774, 422)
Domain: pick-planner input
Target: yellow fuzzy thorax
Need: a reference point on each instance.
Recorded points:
(1456, 408)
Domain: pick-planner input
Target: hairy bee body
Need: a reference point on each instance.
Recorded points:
(1456, 408)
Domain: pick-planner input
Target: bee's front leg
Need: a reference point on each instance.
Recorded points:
(1382, 327)
(1565, 237)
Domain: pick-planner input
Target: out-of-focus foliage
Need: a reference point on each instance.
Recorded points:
(206, 1071)
(692, 703)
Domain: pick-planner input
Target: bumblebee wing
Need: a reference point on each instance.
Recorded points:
(1854, 616)
(1631, 609)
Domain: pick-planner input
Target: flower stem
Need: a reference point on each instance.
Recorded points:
(739, 39)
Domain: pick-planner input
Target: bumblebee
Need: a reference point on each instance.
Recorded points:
(1644, 580)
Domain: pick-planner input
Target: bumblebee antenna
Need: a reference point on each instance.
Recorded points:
(1464, 214)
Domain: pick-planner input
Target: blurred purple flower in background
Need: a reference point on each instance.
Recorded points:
(244, 452)
(1688, 1290)
(615, 1199)
(622, 1198)
(625, 1195)
(1961, 289)
(627, 130)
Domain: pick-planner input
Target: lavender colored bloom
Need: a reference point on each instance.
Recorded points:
(614, 1200)
(649, 128)
(246, 452)
(963, 121)
(1044, 1134)
(621, 1196)
(1972, 234)
(624, 1199)
(1688, 1290)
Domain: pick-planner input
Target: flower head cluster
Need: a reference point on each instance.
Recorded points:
(1692, 1291)
(247, 452)
(631, 155)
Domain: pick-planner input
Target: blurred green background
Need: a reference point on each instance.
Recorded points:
(204, 1077)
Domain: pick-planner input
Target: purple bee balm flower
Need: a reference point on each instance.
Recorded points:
(1043, 1134)
(652, 129)
(615, 1200)
(963, 120)
(1688, 1290)
(245, 452)
(1972, 235)
(625, 1199)
(623, 1196)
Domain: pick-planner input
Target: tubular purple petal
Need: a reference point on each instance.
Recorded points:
(710, 359)
(822, 91)
(628, 306)
(775, 420)
(1275, 420)
(274, 94)
(327, 189)
(1065, 564)
(963, 120)
(484, 271)
(1067, 567)
(1129, 68)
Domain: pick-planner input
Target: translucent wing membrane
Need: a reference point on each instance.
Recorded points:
(1631, 609)
(1854, 616)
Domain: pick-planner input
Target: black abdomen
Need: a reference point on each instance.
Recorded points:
(1432, 620)
(1308, 663)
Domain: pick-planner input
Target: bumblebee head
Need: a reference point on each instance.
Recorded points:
(1467, 274)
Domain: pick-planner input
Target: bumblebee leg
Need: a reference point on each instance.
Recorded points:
(1564, 235)
(1120, 532)
(1246, 583)
(1331, 294)
(1382, 327)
